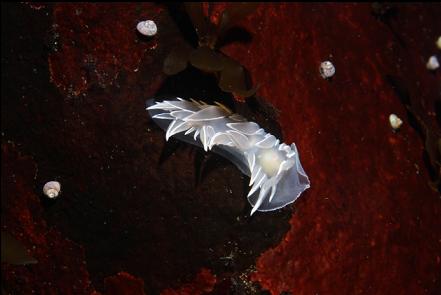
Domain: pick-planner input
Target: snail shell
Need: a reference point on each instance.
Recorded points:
(395, 122)
(433, 63)
(327, 69)
(52, 189)
(147, 28)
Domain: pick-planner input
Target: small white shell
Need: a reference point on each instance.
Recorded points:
(147, 28)
(327, 69)
(433, 63)
(438, 42)
(395, 122)
(52, 189)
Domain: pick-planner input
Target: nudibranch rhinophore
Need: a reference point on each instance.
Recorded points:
(277, 177)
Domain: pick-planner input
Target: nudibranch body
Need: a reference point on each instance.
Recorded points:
(277, 177)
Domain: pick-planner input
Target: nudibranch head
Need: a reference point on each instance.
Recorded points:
(276, 175)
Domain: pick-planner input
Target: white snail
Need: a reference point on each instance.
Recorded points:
(147, 28)
(277, 177)
(327, 69)
(395, 122)
(52, 189)
(433, 63)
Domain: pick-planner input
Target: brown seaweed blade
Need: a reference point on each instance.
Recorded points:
(232, 79)
(207, 60)
(176, 61)
(203, 27)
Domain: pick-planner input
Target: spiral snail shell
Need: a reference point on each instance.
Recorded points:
(147, 28)
(52, 189)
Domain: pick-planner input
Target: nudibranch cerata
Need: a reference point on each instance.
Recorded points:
(277, 177)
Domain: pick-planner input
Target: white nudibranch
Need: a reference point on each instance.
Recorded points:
(276, 175)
